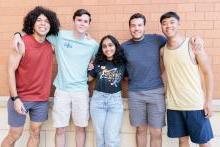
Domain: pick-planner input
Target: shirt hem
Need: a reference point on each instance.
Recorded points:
(145, 89)
(185, 109)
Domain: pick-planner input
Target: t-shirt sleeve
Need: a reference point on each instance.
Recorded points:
(96, 47)
(94, 72)
(53, 39)
(122, 47)
(161, 40)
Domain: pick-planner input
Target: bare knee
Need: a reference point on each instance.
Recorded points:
(155, 133)
(184, 140)
(80, 129)
(35, 132)
(13, 135)
(141, 130)
(205, 145)
(60, 131)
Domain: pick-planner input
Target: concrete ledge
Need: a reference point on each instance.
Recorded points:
(127, 132)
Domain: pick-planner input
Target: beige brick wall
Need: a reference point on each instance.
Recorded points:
(127, 132)
(199, 17)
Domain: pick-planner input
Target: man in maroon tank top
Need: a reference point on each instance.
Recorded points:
(29, 73)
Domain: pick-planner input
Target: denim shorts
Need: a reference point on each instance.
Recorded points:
(189, 123)
(147, 108)
(38, 112)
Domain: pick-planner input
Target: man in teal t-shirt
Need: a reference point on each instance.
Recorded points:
(74, 50)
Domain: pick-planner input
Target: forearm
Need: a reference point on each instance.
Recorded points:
(12, 83)
(162, 67)
(18, 105)
(90, 78)
(209, 86)
(162, 70)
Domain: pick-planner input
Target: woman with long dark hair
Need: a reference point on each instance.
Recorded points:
(106, 105)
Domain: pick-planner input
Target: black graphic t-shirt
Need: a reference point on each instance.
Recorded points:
(108, 77)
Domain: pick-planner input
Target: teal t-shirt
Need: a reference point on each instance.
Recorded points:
(73, 56)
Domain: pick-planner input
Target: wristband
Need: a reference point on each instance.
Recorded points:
(18, 33)
(13, 98)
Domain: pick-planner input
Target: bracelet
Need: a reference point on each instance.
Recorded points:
(18, 33)
(13, 98)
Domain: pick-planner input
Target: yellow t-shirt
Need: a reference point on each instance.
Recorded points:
(184, 88)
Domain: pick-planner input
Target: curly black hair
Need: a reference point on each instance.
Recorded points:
(31, 17)
(118, 58)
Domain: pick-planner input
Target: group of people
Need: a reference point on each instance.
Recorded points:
(142, 60)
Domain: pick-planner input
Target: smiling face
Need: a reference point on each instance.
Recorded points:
(81, 23)
(41, 26)
(170, 27)
(137, 28)
(108, 48)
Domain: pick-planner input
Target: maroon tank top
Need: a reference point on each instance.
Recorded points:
(34, 73)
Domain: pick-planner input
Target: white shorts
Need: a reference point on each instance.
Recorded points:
(65, 103)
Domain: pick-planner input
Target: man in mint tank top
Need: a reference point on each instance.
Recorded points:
(74, 50)
(30, 74)
(188, 106)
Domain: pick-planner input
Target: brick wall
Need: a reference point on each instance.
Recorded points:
(199, 17)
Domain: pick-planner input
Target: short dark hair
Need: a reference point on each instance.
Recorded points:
(81, 12)
(118, 58)
(31, 18)
(169, 15)
(137, 15)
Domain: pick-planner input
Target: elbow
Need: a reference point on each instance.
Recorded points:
(11, 71)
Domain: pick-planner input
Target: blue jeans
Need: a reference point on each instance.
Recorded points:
(106, 113)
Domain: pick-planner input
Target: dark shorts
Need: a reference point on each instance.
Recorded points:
(147, 108)
(38, 112)
(189, 123)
